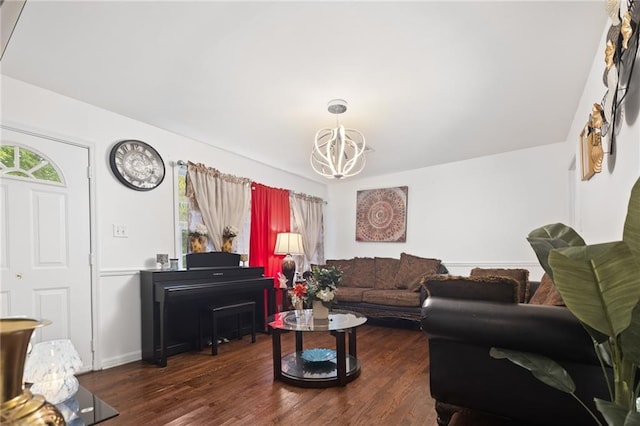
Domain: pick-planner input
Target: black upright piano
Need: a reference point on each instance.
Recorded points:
(172, 300)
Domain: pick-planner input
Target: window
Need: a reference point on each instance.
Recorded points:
(19, 162)
(183, 215)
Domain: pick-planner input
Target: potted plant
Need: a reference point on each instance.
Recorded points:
(600, 285)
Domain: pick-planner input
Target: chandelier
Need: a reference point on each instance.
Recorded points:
(339, 152)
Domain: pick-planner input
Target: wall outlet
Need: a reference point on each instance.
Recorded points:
(120, 231)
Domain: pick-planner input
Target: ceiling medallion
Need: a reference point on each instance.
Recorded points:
(338, 153)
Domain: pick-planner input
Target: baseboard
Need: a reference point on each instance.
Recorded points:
(119, 360)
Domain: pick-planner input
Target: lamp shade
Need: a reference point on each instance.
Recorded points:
(289, 243)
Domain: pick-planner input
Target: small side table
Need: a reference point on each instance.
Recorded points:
(295, 370)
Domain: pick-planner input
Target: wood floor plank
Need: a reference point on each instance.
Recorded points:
(236, 387)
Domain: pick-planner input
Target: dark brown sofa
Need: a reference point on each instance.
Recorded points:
(461, 329)
(385, 288)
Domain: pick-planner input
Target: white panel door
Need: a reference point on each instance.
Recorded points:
(45, 244)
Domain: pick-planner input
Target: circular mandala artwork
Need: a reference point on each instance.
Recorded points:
(381, 214)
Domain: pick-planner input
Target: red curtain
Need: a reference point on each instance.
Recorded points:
(269, 216)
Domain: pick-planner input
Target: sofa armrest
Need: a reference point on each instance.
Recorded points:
(551, 331)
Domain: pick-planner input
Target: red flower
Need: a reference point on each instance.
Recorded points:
(300, 291)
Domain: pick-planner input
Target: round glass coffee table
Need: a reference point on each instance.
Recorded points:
(316, 367)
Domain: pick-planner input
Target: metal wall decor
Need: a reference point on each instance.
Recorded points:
(381, 214)
(619, 58)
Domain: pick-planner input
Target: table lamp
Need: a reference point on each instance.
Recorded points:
(51, 366)
(289, 243)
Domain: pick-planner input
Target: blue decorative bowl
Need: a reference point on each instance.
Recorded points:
(318, 355)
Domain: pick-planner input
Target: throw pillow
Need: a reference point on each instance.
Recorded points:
(413, 269)
(493, 289)
(386, 270)
(547, 293)
(520, 275)
(346, 266)
(364, 272)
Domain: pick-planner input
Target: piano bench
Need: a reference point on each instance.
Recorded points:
(218, 311)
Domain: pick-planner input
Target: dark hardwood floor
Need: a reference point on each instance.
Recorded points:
(236, 387)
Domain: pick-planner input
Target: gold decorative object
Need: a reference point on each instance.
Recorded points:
(19, 406)
(585, 152)
(597, 153)
(228, 234)
(227, 244)
(609, 51)
(626, 29)
(597, 118)
(197, 243)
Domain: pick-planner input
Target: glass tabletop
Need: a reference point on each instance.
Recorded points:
(303, 320)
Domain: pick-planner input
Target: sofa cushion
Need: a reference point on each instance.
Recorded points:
(364, 272)
(386, 270)
(413, 269)
(496, 289)
(391, 297)
(350, 294)
(547, 293)
(520, 275)
(346, 266)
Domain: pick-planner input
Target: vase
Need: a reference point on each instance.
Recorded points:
(19, 406)
(227, 244)
(320, 312)
(198, 243)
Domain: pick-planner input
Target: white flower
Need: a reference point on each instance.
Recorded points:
(201, 229)
(230, 231)
(326, 295)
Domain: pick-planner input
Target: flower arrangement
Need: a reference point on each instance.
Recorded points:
(230, 231)
(200, 230)
(323, 283)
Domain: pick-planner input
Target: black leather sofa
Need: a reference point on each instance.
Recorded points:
(463, 375)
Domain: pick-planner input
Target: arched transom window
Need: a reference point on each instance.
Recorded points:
(18, 161)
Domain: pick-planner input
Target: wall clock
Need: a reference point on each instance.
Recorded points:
(137, 165)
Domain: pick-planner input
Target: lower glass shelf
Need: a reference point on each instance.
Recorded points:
(295, 368)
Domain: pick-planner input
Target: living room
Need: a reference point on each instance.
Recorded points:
(468, 213)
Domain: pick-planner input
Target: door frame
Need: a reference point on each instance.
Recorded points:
(93, 266)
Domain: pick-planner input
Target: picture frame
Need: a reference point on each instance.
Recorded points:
(586, 160)
(381, 214)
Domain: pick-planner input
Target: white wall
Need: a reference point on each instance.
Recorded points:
(147, 215)
(602, 201)
(470, 213)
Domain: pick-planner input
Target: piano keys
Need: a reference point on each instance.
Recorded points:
(172, 300)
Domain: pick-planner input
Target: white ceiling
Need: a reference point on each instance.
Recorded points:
(427, 82)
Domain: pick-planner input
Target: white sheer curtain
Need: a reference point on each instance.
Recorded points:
(223, 199)
(307, 219)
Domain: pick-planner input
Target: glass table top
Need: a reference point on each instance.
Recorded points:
(303, 320)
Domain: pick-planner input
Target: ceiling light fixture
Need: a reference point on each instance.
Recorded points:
(338, 153)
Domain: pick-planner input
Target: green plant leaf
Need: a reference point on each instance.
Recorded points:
(631, 337)
(616, 414)
(549, 237)
(600, 284)
(544, 369)
(631, 233)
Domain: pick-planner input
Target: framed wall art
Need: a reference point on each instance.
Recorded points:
(586, 159)
(381, 214)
